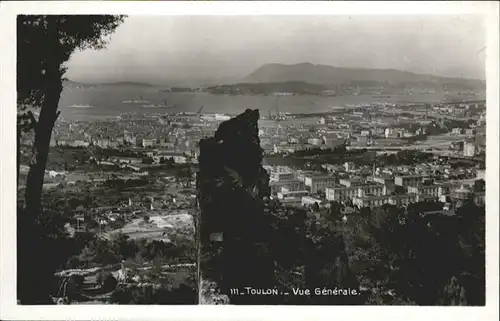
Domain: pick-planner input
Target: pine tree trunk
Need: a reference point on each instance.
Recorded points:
(18, 152)
(43, 133)
(34, 280)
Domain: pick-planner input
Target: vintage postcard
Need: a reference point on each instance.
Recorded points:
(268, 158)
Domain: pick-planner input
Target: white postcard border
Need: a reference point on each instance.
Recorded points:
(9, 309)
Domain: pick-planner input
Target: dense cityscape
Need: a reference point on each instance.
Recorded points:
(349, 187)
(121, 177)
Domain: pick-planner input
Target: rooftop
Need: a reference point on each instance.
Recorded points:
(410, 176)
(369, 198)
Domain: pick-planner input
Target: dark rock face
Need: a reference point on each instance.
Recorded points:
(248, 242)
(232, 185)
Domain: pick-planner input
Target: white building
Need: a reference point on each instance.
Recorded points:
(377, 131)
(279, 186)
(390, 133)
(79, 143)
(178, 158)
(470, 132)
(333, 141)
(292, 202)
(106, 143)
(372, 190)
(126, 160)
(215, 117)
(291, 194)
(470, 149)
(408, 180)
(350, 182)
(371, 201)
(315, 141)
(288, 148)
(341, 194)
(385, 180)
(148, 142)
(309, 200)
(349, 166)
(318, 183)
(430, 190)
(376, 201)
(403, 200)
(281, 173)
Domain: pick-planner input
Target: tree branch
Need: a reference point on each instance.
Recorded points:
(34, 122)
(57, 115)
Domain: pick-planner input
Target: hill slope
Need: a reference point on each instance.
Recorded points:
(72, 84)
(328, 75)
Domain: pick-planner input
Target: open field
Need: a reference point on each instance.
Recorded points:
(158, 227)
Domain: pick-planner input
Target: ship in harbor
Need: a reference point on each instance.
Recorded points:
(139, 101)
(215, 117)
(80, 106)
(163, 105)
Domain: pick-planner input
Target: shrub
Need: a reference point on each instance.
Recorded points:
(77, 280)
(183, 294)
(121, 296)
(107, 281)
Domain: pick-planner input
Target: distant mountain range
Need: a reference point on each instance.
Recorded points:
(333, 76)
(127, 83)
(315, 75)
(296, 87)
(70, 83)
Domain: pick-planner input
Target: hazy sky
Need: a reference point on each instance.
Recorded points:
(161, 49)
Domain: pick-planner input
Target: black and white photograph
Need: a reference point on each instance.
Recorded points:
(251, 159)
(356, 173)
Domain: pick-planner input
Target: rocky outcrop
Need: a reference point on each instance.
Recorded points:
(247, 241)
(234, 230)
